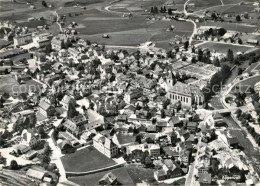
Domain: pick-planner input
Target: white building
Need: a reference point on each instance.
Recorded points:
(30, 138)
(105, 146)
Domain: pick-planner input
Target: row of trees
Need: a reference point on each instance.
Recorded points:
(216, 82)
(155, 10)
(245, 118)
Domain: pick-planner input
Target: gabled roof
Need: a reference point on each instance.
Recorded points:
(109, 178)
(66, 99)
(44, 105)
(35, 173)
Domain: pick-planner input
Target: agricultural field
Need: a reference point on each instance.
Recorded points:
(199, 4)
(237, 9)
(137, 5)
(126, 31)
(231, 26)
(85, 160)
(228, 9)
(224, 47)
(237, 1)
(84, 2)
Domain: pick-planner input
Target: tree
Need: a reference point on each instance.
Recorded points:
(149, 140)
(186, 45)
(246, 15)
(163, 114)
(239, 40)
(169, 11)
(242, 176)
(138, 138)
(71, 111)
(63, 44)
(80, 67)
(238, 18)
(174, 139)
(156, 11)
(222, 31)
(47, 150)
(145, 154)
(216, 62)
(135, 131)
(48, 48)
(200, 55)
(164, 9)
(45, 160)
(148, 162)
(41, 132)
(68, 43)
(33, 120)
(239, 71)
(44, 4)
(161, 9)
(13, 165)
(214, 15)
(152, 10)
(230, 55)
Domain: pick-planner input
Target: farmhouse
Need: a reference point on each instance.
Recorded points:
(253, 41)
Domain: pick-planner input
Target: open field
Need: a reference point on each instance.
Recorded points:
(231, 26)
(126, 31)
(137, 5)
(10, 85)
(230, 9)
(82, 2)
(86, 160)
(139, 173)
(155, 32)
(223, 47)
(244, 85)
(237, 9)
(203, 4)
(92, 179)
(236, 1)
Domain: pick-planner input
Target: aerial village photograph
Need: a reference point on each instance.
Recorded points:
(130, 92)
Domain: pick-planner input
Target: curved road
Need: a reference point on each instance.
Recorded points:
(189, 20)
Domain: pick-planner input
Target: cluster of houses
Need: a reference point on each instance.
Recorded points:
(92, 96)
(215, 33)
